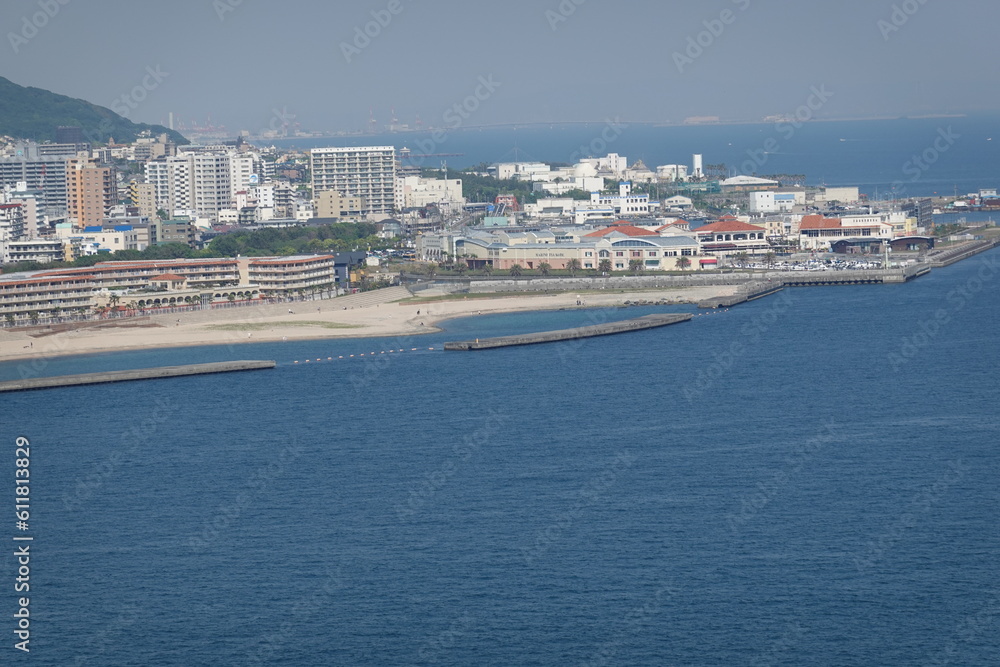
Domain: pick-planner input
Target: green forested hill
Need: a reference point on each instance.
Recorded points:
(33, 113)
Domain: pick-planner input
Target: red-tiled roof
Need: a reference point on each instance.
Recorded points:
(104, 267)
(675, 223)
(819, 222)
(43, 280)
(728, 225)
(272, 261)
(621, 227)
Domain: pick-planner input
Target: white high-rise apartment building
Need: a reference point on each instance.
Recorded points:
(171, 179)
(201, 182)
(368, 172)
(212, 181)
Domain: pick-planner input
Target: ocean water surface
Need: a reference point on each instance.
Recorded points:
(805, 479)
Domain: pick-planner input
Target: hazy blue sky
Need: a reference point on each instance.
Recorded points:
(240, 60)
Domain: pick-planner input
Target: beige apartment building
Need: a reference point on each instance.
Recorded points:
(332, 204)
(91, 192)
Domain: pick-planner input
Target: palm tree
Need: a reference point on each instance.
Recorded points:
(635, 265)
(544, 268)
(742, 258)
(683, 263)
(461, 268)
(515, 270)
(573, 266)
(114, 300)
(10, 319)
(769, 258)
(487, 269)
(604, 266)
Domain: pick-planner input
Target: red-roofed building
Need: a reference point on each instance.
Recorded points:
(168, 281)
(24, 299)
(674, 228)
(728, 236)
(621, 227)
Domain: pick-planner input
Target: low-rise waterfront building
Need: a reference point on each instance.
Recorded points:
(23, 299)
(819, 233)
(286, 276)
(729, 236)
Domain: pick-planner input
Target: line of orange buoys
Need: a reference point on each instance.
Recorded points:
(353, 356)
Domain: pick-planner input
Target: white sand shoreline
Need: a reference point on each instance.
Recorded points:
(310, 319)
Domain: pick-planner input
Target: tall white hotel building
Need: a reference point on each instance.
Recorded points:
(368, 172)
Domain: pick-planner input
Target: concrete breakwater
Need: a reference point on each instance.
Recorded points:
(776, 281)
(747, 292)
(138, 374)
(949, 256)
(637, 324)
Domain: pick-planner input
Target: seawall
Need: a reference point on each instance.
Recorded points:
(952, 255)
(138, 374)
(637, 324)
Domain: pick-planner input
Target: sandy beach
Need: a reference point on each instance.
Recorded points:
(359, 316)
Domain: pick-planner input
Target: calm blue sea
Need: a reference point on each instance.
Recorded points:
(808, 479)
(885, 158)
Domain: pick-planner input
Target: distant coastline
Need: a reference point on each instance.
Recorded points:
(541, 124)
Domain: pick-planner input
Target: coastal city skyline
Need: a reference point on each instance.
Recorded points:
(558, 332)
(393, 64)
